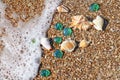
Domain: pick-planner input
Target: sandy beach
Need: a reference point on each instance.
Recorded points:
(99, 61)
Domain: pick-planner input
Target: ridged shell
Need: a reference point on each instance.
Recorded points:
(62, 8)
(84, 25)
(80, 22)
(68, 45)
(84, 43)
(77, 19)
(98, 23)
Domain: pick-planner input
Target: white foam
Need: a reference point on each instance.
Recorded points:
(23, 65)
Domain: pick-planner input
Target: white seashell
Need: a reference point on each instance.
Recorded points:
(98, 23)
(84, 43)
(68, 45)
(45, 43)
(62, 8)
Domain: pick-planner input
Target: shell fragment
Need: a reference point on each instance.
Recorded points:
(98, 23)
(63, 8)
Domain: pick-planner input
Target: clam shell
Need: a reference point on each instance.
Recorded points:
(45, 43)
(62, 8)
(68, 45)
(84, 43)
(98, 23)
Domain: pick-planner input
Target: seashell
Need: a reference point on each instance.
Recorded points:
(87, 25)
(77, 19)
(45, 43)
(68, 45)
(81, 23)
(98, 23)
(84, 25)
(84, 43)
(63, 8)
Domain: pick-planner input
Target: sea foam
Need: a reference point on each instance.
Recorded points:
(19, 59)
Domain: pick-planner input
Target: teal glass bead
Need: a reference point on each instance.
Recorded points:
(58, 40)
(58, 54)
(58, 26)
(45, 73)
(94, 7)
(67, 31)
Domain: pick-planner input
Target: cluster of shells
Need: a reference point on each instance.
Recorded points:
(82, 23)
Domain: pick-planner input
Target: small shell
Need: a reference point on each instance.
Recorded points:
(63, 8)
(81, 23)
(45, 43)
(77, 19)
(84, 25)
(68, 45)
(87, 25)
(98, 23)
(84, 43)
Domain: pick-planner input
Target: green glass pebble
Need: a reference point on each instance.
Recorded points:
(58, 40)
(58, 54)
(45, 73)
(67, 31)
(33, 40)
(58, 26)
(94, 7)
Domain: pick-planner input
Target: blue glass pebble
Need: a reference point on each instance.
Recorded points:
(58, 54)
(67, 31)
(45, 73)
(58, 26)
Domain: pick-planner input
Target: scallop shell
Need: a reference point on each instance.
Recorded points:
(45, 43)
(62, 8)
(84, 43)
(80, 22)
(77, 19)
(84, 25)
(68, 45)
(98, 23)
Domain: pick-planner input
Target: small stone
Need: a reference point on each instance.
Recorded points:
(58, 40)
(58, 26)
(58, 54)
(94, 7)
(67, 31)
(45, 73)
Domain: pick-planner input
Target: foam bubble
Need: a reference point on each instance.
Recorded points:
(18, 58)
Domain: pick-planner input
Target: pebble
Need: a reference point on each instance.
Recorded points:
(45, 73)
(67, 31)
(58, 53)
(58, 40)
(94, 7)
(58, 26)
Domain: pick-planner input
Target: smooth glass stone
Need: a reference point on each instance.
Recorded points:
(58, 40)
(94, 7)
(58, 54)
(33, 40)
(58, 26)
(67, 31)
(45, 73)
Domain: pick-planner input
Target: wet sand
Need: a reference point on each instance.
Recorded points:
(99, 61)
